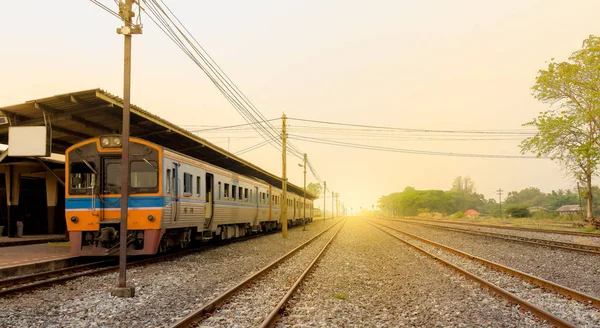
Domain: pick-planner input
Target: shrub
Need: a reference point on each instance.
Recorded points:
(459, 215)
(518, 211)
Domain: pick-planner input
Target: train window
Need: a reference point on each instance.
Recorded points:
(233, 188)
(144, 175)
(246, 195)
(220, 193)
(81, 176)
(187, 184)
(198, 189)
(112, 177)
(241, 194)
(226, 191)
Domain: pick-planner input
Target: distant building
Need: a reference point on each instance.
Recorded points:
(471, 213)
(534, 209)
(569, 209)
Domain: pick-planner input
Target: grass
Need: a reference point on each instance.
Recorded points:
(340, 296)
(548, 223)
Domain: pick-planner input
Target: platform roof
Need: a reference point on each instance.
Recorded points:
(86, 114)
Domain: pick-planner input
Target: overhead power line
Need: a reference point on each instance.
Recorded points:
(406, 151)
(409, 129)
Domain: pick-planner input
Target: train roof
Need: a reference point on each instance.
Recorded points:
(81, 115)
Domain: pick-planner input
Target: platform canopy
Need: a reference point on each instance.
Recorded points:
(87, 114)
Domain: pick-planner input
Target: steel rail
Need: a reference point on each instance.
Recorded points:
(192, 319)
(566, 291)
(539, 312)
(575, 247)
(24, 279)
(559, 232)
(20, 283)
(273, 317)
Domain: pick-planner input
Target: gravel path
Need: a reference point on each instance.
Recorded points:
(165, 292)
(569, 310)
(251, 306)
(529, 234)
(571, 269)
(368, 279)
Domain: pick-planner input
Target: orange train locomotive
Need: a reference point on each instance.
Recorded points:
(174, 199)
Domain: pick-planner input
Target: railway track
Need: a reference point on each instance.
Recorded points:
(551, 231)
(32, 281)
(196, 318)
(503, 275)
(576, 247)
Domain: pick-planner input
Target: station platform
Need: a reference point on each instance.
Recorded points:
(30, 239)
(27, 254)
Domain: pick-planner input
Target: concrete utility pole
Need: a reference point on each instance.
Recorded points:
(337, 204)
(499, 191)
(304, 165)
(284, 228)
(332, 207)
(324, 197)
(126, 13)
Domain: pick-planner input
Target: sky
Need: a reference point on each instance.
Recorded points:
(452, 65)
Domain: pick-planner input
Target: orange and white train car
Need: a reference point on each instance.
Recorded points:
(173, 200)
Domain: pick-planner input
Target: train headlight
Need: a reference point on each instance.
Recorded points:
(74, 219)
(151, 218)
(117, 141)
(105, 142)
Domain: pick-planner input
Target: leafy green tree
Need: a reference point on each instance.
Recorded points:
(528, 196)
(315, 188)
(558, 198)
(569, 132)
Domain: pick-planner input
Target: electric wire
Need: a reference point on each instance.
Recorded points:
(408, 129)
(105, 8)
(407, 151)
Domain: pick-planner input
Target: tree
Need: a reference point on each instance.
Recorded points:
(569, 133)
(528, 196)
(574, 84)
(315, 188)
(464, 186)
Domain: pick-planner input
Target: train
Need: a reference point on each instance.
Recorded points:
(174, 199)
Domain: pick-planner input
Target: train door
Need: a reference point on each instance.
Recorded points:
(111, 185)
(174, 194)
(270, 199)
(208, 212)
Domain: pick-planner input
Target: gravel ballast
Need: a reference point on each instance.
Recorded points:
(594, 241)
(249, 307)
(165, 292)
(571, 269)
(570, 310)
(368, 279)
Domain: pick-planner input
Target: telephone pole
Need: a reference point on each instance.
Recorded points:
(337, 203)
(324, 198)
(304, 220)
(332, 208)
(499, 191)
(126, 13)
(284, 228)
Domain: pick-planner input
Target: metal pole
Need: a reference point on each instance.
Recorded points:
(126, 13)
(284, 228)
(304, 192)
(579, 195)
(500, 200)
(324, 198)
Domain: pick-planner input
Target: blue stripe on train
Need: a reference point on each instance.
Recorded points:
(113, 202)
(144, 201)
